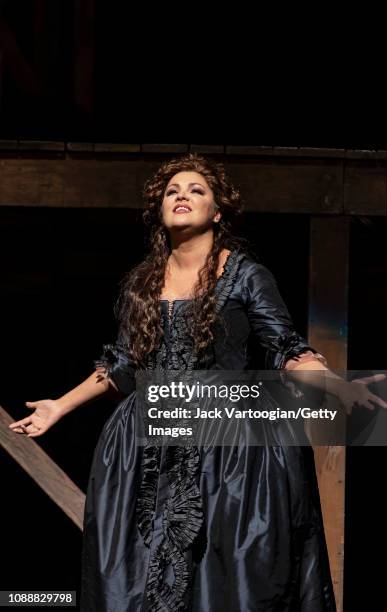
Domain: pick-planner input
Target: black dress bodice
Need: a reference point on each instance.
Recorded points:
(251, 311)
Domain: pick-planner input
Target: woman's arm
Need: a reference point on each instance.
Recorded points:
(114, 368)
(303, 369)
(91, 388)
(47, 412)
(313, 372)
(287, 350)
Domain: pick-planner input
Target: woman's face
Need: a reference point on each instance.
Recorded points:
(188, 202)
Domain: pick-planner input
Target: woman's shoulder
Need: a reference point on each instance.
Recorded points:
(251, 268)
(250, 276)
(242, 277)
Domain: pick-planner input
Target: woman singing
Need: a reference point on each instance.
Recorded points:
(190, 528)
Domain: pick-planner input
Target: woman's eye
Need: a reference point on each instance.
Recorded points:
(193, 190)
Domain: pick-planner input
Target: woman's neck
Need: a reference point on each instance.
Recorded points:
(190, 255)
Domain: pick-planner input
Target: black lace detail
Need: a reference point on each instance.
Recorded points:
(146, 500)
(118, 366)
(183, 514)
(111, 355)
(285, 347)
(228, 278)
(182, 356)
(182, 517)
(162, 596)
(182, 520)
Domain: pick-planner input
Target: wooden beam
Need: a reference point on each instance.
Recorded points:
(289, 185)
(327, 332)
(112, 175)
(365, 188)
(267, 186)
(239, 151)
(51, 478)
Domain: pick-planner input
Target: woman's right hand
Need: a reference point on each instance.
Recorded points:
(46, 413)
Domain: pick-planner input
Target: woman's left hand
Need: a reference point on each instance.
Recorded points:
(356, 392)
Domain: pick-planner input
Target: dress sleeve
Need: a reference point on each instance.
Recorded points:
(270, 321)
(116, 365)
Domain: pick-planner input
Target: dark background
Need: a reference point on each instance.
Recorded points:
(69, 72)
(96, 71)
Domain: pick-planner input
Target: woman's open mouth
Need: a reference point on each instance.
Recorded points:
(181, 209)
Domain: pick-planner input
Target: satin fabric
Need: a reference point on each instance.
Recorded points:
(261, 544)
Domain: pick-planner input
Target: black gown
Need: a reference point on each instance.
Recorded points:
(205, 529)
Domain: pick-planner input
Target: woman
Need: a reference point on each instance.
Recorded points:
(201, 529)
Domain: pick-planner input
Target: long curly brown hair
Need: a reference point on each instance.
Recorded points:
(138, 308)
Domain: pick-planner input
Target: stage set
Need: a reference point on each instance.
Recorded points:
(70, 218)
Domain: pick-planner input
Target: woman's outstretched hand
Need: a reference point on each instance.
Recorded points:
(46, 413)
(356, 392)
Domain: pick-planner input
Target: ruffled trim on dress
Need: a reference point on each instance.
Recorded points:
(182, 520)
(146, 501)
(285, 347)
(183, 516)
(228, 278)
(109, 359)
(114, 363)
(183, 513)
(290, 346)
(162, 596)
